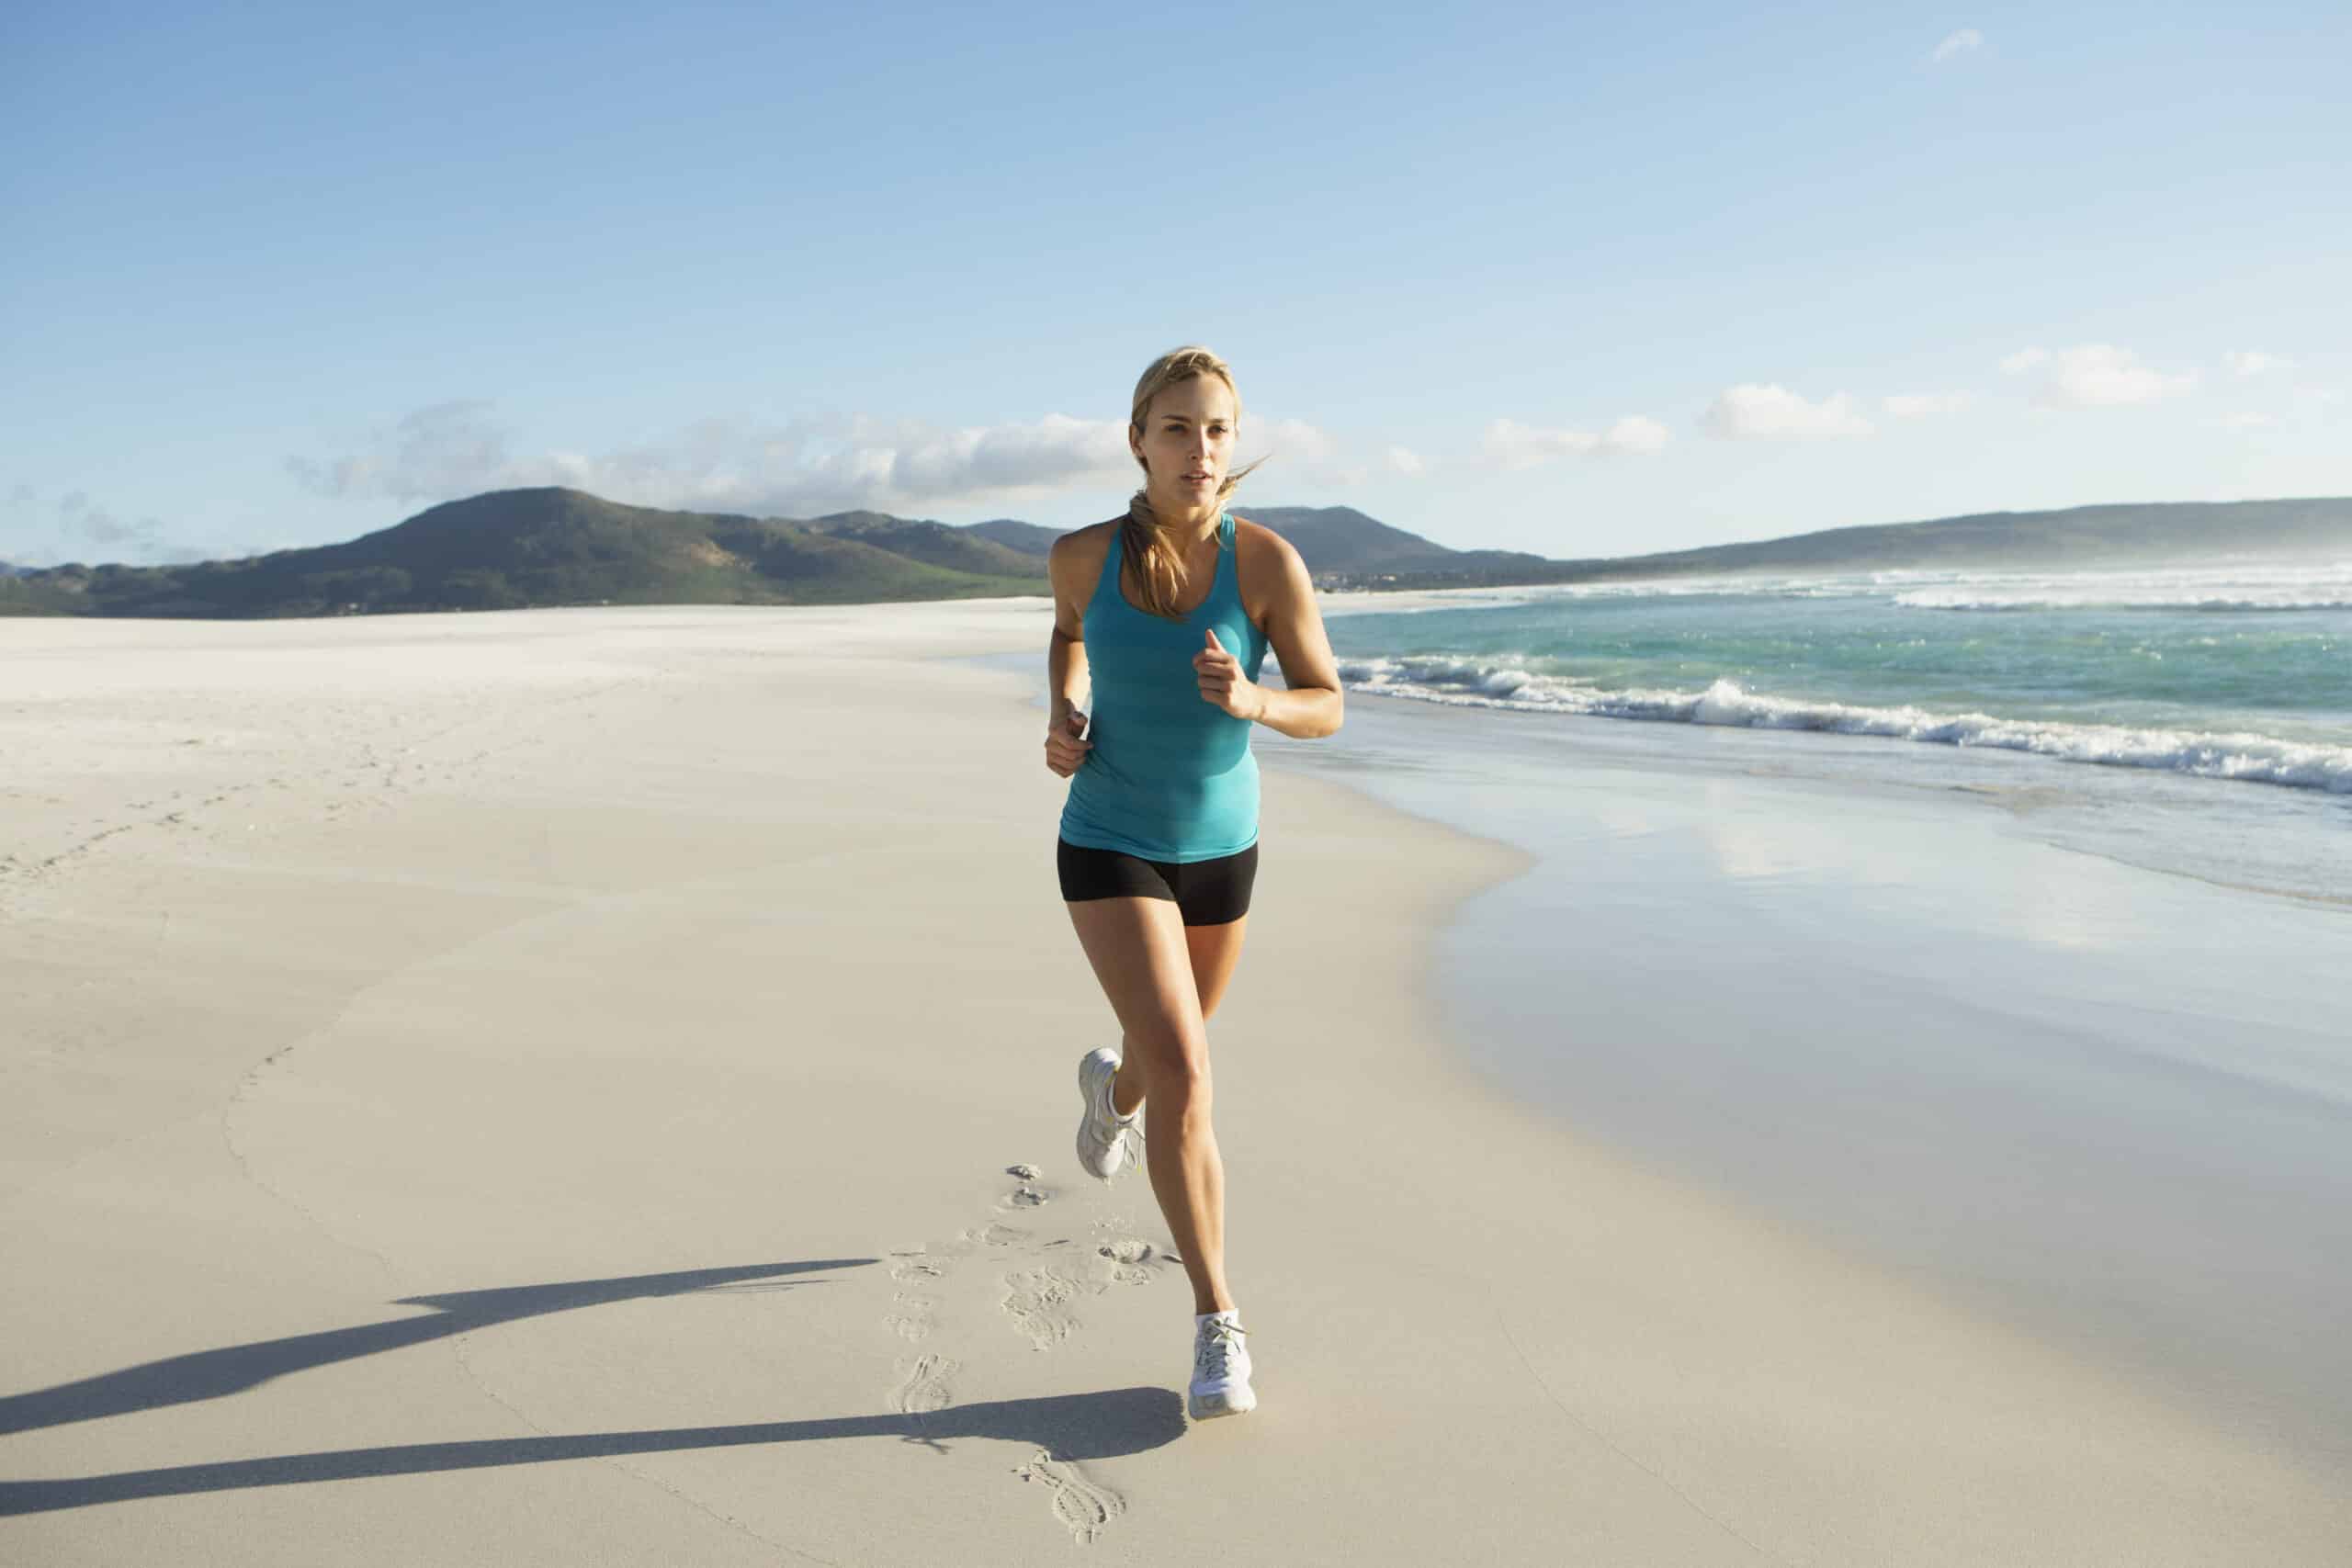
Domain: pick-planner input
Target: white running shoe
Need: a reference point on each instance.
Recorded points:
(1220, 1367)
(1102, 1133)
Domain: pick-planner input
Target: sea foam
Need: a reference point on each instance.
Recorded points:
(2257, 759)
(2216, 587)
(2211, 589)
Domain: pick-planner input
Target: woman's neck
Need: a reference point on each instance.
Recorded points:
(1186, 521)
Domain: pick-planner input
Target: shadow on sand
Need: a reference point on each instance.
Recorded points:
(1069, 1426)
(210, 1374)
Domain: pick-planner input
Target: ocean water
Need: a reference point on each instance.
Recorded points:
(2240, 673)
(2195, 719)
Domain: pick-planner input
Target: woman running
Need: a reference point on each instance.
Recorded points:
(1170, 610)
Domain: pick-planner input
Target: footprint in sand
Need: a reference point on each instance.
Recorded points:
(1038, 1298)
(1025, 1196)
(1127, 1258)
(909, 1316)
(993, 1236)
(912, 1267)
(1030, 1194)
(1085, 1509)
(924, 1387)
(1039, 1302)
(912, 1312)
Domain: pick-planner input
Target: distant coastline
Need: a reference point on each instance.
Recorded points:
(554, 546)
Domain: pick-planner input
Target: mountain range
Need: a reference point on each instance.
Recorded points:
(514, 548)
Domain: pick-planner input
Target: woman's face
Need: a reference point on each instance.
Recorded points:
(1187, 441)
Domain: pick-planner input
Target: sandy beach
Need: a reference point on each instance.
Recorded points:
(548, 1087)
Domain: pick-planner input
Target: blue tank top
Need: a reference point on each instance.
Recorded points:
(1170, 776)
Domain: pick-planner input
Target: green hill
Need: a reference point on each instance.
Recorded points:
(1028, 537)
(1339, 539)
(2081, 537)
(934, 544)
(1343, 552)
(511, 548)
(519, 547)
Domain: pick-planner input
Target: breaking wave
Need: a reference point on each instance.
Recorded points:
(2257, 759)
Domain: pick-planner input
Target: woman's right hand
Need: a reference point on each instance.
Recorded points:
(1066, 744)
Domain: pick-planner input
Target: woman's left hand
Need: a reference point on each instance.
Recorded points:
(1223, 685)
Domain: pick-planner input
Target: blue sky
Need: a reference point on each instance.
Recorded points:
(1578, 282)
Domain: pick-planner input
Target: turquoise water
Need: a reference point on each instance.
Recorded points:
(2241, 674)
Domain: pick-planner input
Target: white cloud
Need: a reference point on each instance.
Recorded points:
(1919, 405)
(439, 451)
(1959, 42)
(74, 528)
(796, 468)
(1634, 434)
(2099, 375)
(1284, 438)
(1511, 444)
(803, 468)
(2245, 421)
(1750, 412)
(2024, 359)
(1405, 461)
(118, 537)
(2251, 362)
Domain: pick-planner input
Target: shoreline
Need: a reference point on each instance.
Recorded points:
(560, 988)
(2203, 1356)
(1837, 943)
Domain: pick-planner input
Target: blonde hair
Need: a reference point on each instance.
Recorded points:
(1147, 553)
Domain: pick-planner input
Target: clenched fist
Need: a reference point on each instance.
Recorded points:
(1066, 744)
(1223, 685)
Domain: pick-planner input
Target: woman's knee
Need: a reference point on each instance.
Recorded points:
(1175, 1061)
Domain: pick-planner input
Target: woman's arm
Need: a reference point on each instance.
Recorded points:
(1066, 676)
(1314, 705)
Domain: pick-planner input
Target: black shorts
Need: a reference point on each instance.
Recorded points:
(1205, 892)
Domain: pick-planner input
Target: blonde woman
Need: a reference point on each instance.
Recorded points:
(1168, 613)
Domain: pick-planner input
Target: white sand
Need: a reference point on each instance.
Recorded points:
(539, 1088)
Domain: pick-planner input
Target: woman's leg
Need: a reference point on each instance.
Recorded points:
(1142, 954)
(1213, 950)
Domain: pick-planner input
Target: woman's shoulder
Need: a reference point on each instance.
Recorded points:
(1268, 564)
(1080, 545)
(1091, 536)
(1259, 546)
